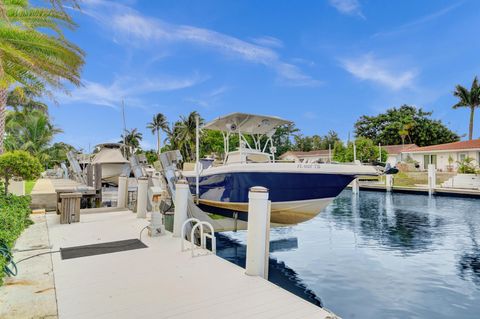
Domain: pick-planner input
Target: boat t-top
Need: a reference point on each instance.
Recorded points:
(298, 191)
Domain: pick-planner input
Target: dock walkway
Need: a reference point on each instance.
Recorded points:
(159, 281)
(422, 190)
(44, 192)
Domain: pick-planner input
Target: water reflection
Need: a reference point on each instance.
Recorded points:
(469, 263)
(389, 220)
(279, 273)
(378, 255)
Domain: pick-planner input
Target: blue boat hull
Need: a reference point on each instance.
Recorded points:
(226, 194)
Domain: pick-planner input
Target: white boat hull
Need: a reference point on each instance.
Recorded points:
(292, 212)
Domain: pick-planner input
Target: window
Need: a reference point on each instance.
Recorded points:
(462, 156)
(429, 159)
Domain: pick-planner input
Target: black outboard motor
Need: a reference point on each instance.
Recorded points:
(389, 170)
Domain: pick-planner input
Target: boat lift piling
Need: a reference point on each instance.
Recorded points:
(258, 233)
(181, 203)
(122, 191)
(142, 197)
(355, 184)
(197, 154)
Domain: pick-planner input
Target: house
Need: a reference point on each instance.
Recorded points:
(445, 157)
(394, 152)
(320, 156)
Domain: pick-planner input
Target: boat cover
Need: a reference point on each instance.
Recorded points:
(246, 123)
(110, 156)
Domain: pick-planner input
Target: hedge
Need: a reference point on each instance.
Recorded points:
(14, 218)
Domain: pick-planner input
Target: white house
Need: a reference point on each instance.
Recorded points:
(321, 156)
(324, 156)
(395, 152)
(445, 156)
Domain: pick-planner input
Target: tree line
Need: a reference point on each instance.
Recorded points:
(405, 124)
(36, 58)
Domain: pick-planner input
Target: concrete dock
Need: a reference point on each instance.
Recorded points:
(422, 190)
(155, 282)
(44, 193)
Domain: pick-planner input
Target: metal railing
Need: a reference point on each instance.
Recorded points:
(203, 237)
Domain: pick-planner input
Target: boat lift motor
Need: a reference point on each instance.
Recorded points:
(157, 222)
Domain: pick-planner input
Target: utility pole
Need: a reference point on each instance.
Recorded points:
(124, 128)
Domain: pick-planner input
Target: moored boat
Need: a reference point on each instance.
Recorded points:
(112, 161)
(298, 191)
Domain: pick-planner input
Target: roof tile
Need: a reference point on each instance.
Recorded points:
(462, 145)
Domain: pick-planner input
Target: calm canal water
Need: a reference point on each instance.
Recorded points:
(380, 256)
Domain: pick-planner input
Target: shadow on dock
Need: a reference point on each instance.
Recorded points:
(279, 273)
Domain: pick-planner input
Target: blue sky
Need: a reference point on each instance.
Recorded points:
(319, 63)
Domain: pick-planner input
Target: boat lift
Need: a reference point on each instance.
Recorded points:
(169, 169)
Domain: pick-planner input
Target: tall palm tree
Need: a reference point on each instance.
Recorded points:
(171, 138)
(187, 133)
(158, 123)
(132, 140)
(34, 51)
(470, 99)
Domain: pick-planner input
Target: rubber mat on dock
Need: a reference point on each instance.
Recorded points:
(100, 249)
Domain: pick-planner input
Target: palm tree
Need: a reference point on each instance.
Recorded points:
(24, 99)
(132, 140)
(30, 131)
(404, 131)
(186, 133)
(469, 99)
(158, 123)
(34, 52)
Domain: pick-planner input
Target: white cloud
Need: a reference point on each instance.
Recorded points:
(425, 19)
(368, 67)
(303, 61)
(349, 7)
(268, 41)
(128, 88)
(132, 28)
(209, 99)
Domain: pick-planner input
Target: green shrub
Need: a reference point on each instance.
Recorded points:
(366, 151)
(466, 166)
(18, 164)
(14, 218)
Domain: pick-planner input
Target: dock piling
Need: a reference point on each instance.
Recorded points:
(122, 191)
(142, 197)
(388, 182)
(432, 178)
(258, 234)
(181, 206)
(355, 186)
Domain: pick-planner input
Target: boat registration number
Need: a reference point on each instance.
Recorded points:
(309, 166)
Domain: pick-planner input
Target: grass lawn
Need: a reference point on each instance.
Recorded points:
(418, 178)
(29, 186)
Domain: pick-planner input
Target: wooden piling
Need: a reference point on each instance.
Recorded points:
(70, 207)
(98, 185)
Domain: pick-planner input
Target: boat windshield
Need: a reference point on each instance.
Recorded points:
(247, 157)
